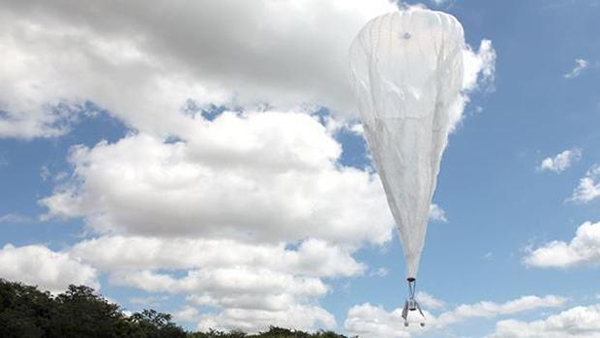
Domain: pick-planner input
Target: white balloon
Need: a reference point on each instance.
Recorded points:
(407, 69)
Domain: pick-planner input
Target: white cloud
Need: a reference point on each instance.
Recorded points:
(580, 66)
(264, 282)
(45, 173)
(480, 67)
(229, 287)
(357, 128)
(260, 177)
(436, 213)
(278, 52)
(584, 248)
(428, 301)
(312, 257)
(479, 75)
(253, 207)
(487, 309)
(302, 317)
(589, 186)
(187, 314)
(379, 272)
(561, 161)
(38, 265)
(152, 301)
(247, 298)
(580, 322)
(367, 320)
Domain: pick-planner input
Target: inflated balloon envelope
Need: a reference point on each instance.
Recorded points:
(407, 70)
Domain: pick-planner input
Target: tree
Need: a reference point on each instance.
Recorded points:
(79, 312)
(152, 324)
(28, 312)
(24, 310)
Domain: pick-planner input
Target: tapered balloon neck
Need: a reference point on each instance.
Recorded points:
(412, 285)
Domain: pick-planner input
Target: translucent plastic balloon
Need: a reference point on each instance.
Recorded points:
(407, 69)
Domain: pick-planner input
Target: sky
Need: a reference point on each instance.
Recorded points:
(206, 159)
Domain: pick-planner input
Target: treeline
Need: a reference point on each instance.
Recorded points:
(79, 312)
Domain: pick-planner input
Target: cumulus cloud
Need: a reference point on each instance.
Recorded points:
(580, 66)
(278, 52)
(480, 67)
(38, 265)
(589, 186)
(428, 301)
(187, 314)
(584, 248)
(367, 320)
(580, 322)
(479, 75)
(298, 316)
(252, 206)
(241, 287)
(436, 213)
(487, 309)
(251, 285)
(260, 177)
(247, 298)
(312, 257)
(561, 161)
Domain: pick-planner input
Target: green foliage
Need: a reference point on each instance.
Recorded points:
(274, 332)
(79, 312)
(24, 310)
(150, 323)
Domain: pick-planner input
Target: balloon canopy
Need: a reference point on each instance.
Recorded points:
(407, 70)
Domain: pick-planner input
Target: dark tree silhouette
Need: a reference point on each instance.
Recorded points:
(24, 310)
(79, 312)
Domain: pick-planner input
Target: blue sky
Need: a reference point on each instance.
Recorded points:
(98, 157)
